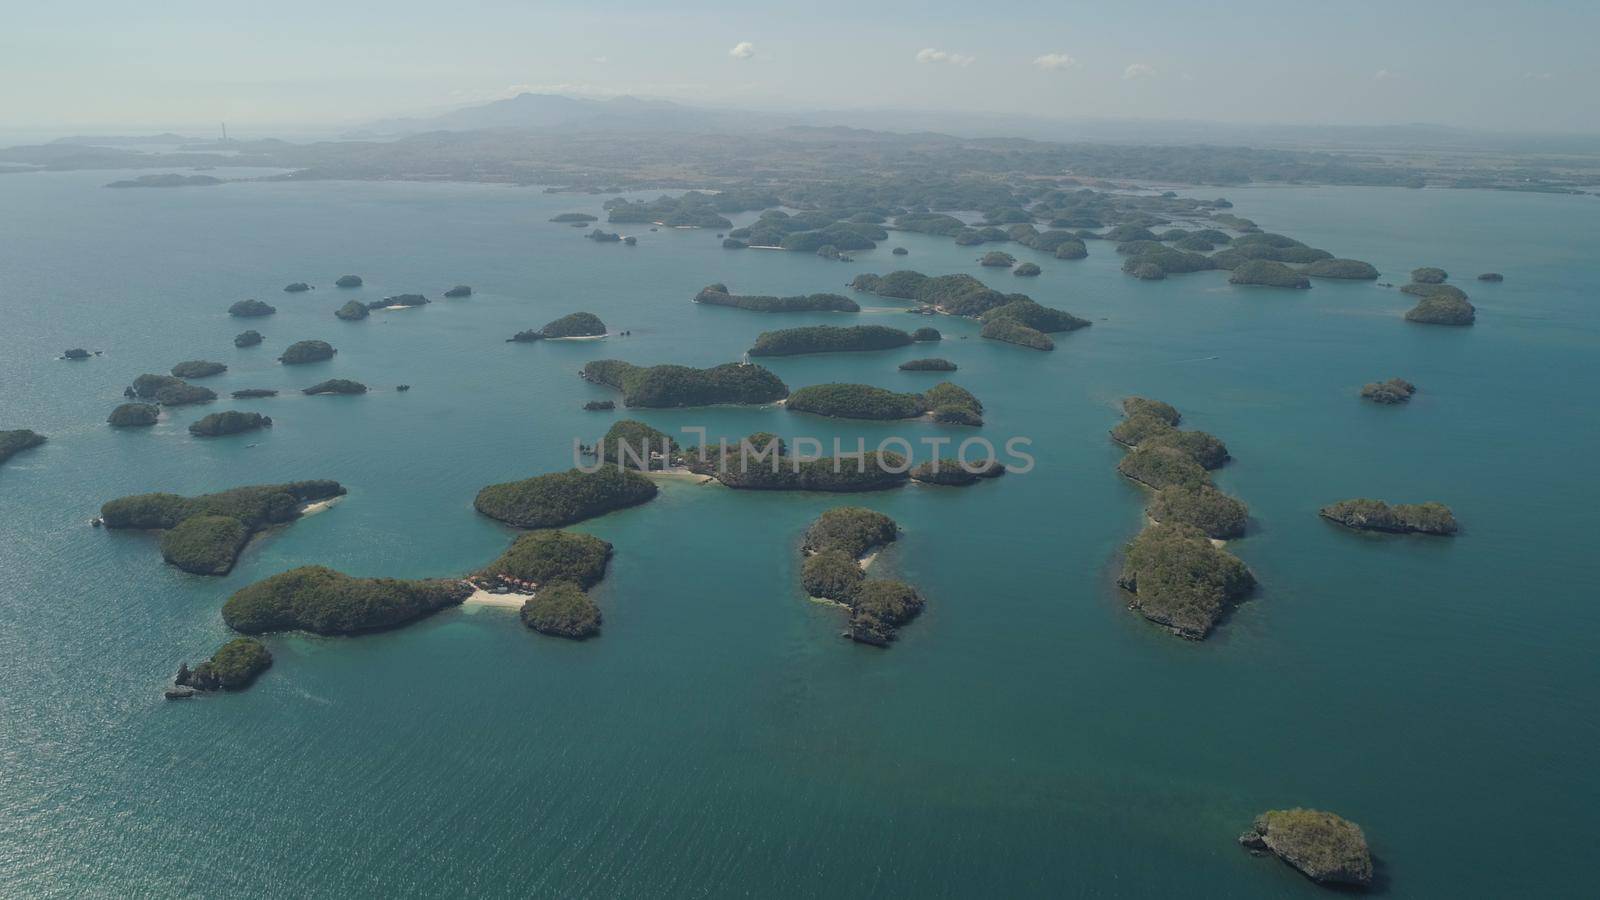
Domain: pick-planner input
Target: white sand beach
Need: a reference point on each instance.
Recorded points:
(481, 597)
(311, 509)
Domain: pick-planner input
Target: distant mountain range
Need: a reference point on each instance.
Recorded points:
(554, 111)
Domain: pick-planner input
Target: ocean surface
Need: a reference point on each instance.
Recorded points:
(1027, 736)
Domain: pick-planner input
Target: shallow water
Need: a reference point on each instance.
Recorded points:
(1026, 736)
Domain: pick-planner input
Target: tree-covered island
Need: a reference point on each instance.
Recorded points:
(558, 499)
(675, 386)
(1178, 579)
(225, 520)
(17, 440)
(322, 601)
(1325, 847)
(828, 339)
(234, 667)
(1365, 514)
(302, 352)
(718, 295)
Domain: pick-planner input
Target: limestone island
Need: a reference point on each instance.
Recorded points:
(603, 237)
(134, 415)
(1429, 275)
(16, 441)
(75, 353)
(833, 545)
(951, 472)
(1162, 467)
(204, 534)
(400, 301)
(558, 499)
(251, 309)
(299, 287)
(1363, 514)
(227, 422)
(247, 338)
(1395, 390)
(553, 569)
(352, 311)
(335, 386)
(564, 218)
(1028, 324)
(1491, 276)
(254, 393)
(1349, 269)
(562, 610)
(926, 335)
(931, 364)
(198, 368)
(1026, 270)
(997, 259)
(302, 352)
(599, 405)
(167, 180)
(1325, 847)
(951, 295)
(828, 339)
(667, 386)
(761, 462)
(948, 403)
(1267, 273)
(459, 291)
(572, 325)
(322, 601)
(1442, 309)
(234, 667)
(168, 390)
(1200, 506)
(717, 295)
(1178, 579)
(900, 251)
(348, 281)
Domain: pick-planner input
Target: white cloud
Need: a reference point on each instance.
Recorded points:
(1538, 76)
(1382, 75)
(743, 50)
(1138, 70)
(1055, 62)
(933, 55)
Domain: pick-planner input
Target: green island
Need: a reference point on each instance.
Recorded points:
(1031, 315)
(635, 445)
(1364, 514)
(1206, 450)
(298, 287)
(234, 667)
(1178, 579)
(717, 295)
(562, 610)
(1200, 506)
(459, 291)
(761, 463)
(348, 281)
(1324, 847)
(1144, 406)
(1351, 269)
(926, 335)
(251, 309)
(833, 546)
(254, 393)
(831, 575)
(572, 325)
(1166, 259)
(1162, 467)
(1144, 271)
(1429, 275)
(171, 179)
(336, 386)
(1442, 309)
(322, 601)
(878, 609)
(565, 218)
(997, 259)
(1491, 277)
(1428, 289)
(558, 499)
(547, 556)
(947, 402)
(247, 338)
(229, 421)
(75, 353)
(1266, 273)
(169, 391)
(692, 209)
(601, 236)
(134, 415)
(302, 352)
(198, 368)
(400, 300)
(931, 364)
(950, 472)
(954, 295)
(828, 339)
(900, 251)
(1013, 331)
(1026, 270)
(852, 530)
(18, 440)
(599, 405)
(674, 386)
(228, 519)
(1395, 390)
(352, 311)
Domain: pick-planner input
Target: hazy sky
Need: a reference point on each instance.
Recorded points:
(186, 64)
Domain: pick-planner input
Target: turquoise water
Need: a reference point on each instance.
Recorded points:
(1026, 736)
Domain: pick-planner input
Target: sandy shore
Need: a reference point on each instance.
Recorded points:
(311, 509)
(679, 472)
(581, 337)
(481, 597)
(866, 561)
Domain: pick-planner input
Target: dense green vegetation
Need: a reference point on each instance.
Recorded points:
(852, 530)
(1144, 271)
(1395, 390)
(1204, 449)
(198, 368)
(301, 352)
(146, 386)
(932, 364)
(565, 218)
(184, 394)
(1168, 260)
(779, 471)
(352, 311)
(881, 606)
(233, 667)
(298, 287)
(956, 295)
(18, 440)
(336, 386)
(348, 281)
(1353, 269)
(562, 498)
(1162, 467)
(672, 386)
(599, 405)
(828, 339)
(950, 473)
(459, 291)
(1200, 506)
(930, 223)
(953, 404)
(717, 295)
(1138, 428)
(631, 443)
(323, 601)
(997, 259)
(1012, 331)
(1026, 270)
(1423, 289)
(855, 401)
(562, 610)
(1325, 847)
(578, 324)
(547, 556)
(205, 544)
(75, 353)
(1144, 406)
(1039, 318)
(1178, 579)
(1442, 309)
(229, 421)
(926, 335)
(247, 338)
(130, 415)
(1375, 515)
(401, 300)
(1268, 274)
(1491, 276)
(254, 393)
(601, 236)
(692, 209)
(1429, 275)
(831, 575)
(249, 309)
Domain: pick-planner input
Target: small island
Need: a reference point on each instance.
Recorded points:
(18, 440)
(667, 386)
(761, 462)
(1365, 514)
(562, 610)
(603, 237)
(900, 251)
(926, 335)
(227, 422)
(335, 386)
(547, 556)
(828, 339)
(1326, 848)
(879, 608)
(302, 352)
(1491, 276)
(718, 295)
(953, 473)
(348, 281)
(166, 181)
(855, 530)
(75, 353)
(247, 338)
(1202, 507)
(402, 301)
(1011, 331)
(234, 667)
(1026, 270)
(837, 548)
(946, 403)
(565, 218)
(459, 291)
(931, 364)
(997, 259)
(1395, 390)
(299, 287)
(251, 309)
(198, 368)
(169, 391)
(1178, 579)
(254, 393)
(1267, 273)
(227, 519)
(572, 325)
(322, 601)
(1429, 275)
(1162, 467)
(599, 405)
(1442, 309)
(559, 499)
(352, 311)
(1348, 269)
(134, 415)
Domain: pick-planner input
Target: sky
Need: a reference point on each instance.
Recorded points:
(76, 65)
